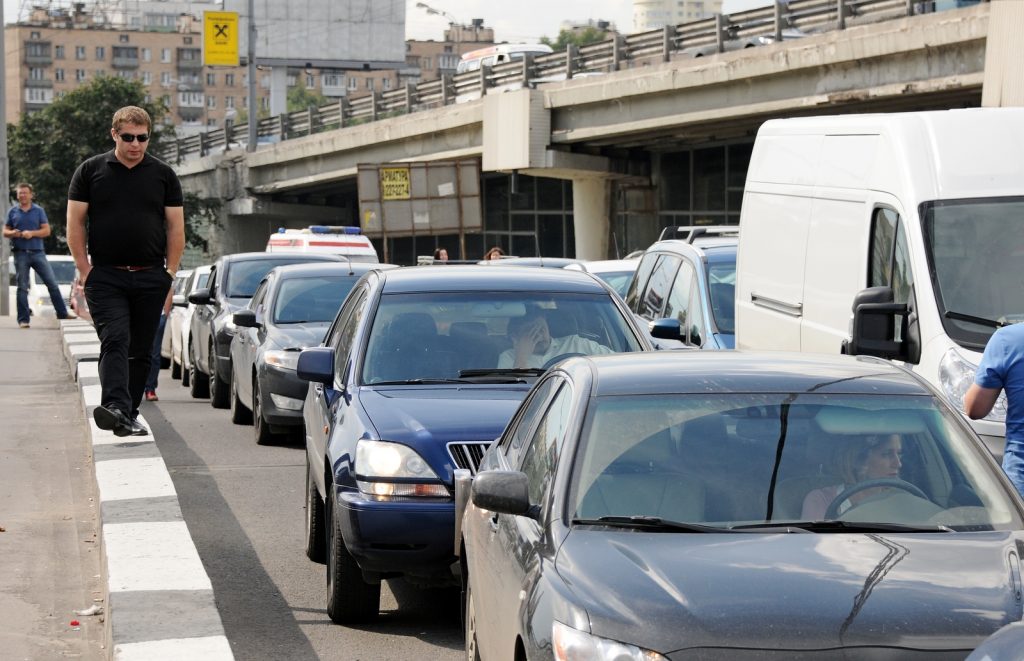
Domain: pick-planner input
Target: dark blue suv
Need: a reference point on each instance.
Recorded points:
(421, 370)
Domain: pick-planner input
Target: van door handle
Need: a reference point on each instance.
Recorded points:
(785, 307)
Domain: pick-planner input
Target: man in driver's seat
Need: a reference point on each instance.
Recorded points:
(533, 346)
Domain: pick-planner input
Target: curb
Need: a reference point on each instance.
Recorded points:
(160, 602)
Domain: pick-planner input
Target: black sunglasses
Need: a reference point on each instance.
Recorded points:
(128, 137)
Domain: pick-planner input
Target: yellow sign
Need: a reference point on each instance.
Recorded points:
(220, 38)
(394, 184)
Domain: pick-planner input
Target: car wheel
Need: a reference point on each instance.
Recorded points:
(240, 415)
(175, 369)
(263, 434)
(472, 650)
(185, 380)
(199, 383)
(218, 387)
(349, 597)
(316, 542)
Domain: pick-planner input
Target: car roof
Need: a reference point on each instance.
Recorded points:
(716, 372)
(306, 270)
(488, 278)
(605, 265)
(254, 256)
(545, 262)
(702, 244)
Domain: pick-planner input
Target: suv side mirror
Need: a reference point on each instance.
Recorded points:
(666, 329)
(874, 324)
(245, 319)
(200, 297)
(503, 492)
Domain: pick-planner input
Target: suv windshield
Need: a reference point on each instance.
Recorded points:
(440, 335)
(976, 253)
(742, 459)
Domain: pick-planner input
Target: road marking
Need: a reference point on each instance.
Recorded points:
(153, 556)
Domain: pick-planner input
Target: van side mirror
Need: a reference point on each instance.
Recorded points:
(316, 365)
(245, 319)
(874, 324)
(200, 297)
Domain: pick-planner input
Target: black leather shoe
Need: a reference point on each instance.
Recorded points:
(110, 419)
(138, 429)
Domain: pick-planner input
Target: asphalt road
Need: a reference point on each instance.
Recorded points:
(244, 505)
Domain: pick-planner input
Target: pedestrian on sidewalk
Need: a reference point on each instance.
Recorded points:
(135, 239)
(1002, 368)
(26, 227)
(154, 358)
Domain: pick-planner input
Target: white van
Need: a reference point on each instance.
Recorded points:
(498, 54)
(332, 239)
(895, 235)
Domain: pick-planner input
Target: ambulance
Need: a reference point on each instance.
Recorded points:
(333, 239)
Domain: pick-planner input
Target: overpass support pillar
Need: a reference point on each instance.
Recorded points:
(1003, 84)
(591, 208)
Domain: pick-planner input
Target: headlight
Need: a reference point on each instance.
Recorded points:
(381, 461)
(573, 645)
(956, 375)
(286, 360)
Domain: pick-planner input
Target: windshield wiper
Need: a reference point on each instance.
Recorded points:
(981, 321)
(512, 371)
(652, 523)
(417, 382)
(842, 526)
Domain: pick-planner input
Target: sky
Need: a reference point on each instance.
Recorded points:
(514, 21)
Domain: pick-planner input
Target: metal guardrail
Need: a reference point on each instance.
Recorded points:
(716, 34)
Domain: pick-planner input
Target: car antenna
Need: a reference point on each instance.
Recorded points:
(349, 260)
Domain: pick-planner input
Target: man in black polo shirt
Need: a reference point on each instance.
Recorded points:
(135, 237)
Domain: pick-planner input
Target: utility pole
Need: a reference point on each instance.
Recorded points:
(5, 195)
(253, 118)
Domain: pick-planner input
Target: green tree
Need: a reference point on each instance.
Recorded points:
(300, 98)
(588, 35)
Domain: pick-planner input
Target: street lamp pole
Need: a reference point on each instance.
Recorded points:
(253, 119)
(5, 192)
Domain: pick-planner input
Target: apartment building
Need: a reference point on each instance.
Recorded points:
(655, 14)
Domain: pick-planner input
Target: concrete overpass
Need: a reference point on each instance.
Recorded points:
(599, 131)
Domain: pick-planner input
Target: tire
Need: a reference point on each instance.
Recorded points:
(219, 393)
(469, 622)
(175, 370)
(199, 383)
(350, 599)
(185, 380)
(240, 415)
(316, 538)
(260, 427)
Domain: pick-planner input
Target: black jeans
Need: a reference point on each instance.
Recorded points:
(125, 307)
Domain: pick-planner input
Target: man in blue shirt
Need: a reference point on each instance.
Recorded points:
(1002, 368)
(27, 226)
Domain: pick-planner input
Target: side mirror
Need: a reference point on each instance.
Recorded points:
(245, 318)
(316, 365)
(179, 301)
(666, 329)
(200, 297)
(874, 324)
(503, 492)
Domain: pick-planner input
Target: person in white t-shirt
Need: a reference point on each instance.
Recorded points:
(533, 346)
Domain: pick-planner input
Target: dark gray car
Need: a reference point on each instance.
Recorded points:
(724, 505)
(290, 311)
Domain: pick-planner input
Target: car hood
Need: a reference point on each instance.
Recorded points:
(674, 591)
(429, 415)
(300, 336)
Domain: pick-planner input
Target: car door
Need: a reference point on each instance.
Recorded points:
(496, 584)
(325, 408)
(247, 343)
(202, 319)
(684, 304)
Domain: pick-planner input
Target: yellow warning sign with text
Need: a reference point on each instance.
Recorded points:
(220, 38)
(394, 184)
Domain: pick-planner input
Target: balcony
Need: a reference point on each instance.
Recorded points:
(38, 53)
(190, 114)
(38, 84)
(124, 62)
(190, 59)
(38, 60)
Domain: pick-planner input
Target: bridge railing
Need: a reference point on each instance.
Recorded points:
(707, 36)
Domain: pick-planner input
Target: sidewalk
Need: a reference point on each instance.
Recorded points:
(49, 513)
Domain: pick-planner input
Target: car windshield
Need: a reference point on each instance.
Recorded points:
(617, 280)
(311, 300)
(441, 335)
(722, 288)
(743, 459)
(63, 271)
(976, 251)
(244, 276)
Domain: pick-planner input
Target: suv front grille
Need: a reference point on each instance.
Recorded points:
(468, 455)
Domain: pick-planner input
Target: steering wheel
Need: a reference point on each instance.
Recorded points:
(833, 508)
(559, 357)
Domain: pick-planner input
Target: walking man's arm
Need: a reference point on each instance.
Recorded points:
(76, 237)
(175, 237)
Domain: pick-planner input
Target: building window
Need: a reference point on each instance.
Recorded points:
(188, 41)
(165, 78)
(426, 63)
(369, 83)
(310, 81)
(245, 102)
(79, 52)
(387, 83)
(147, 55)
(123, 38)
(58, 75)
(166, 99)
(229, 102)
(211, 122)
(101, 53)
(333, 79)
(79, 75)
(264, 103)
(447, 49)
(33, 35)
(353, 83)
(165, 55)
(229, 80)
(148, 98)
(147, 77)
(211, 79)
(35, 73)
(37, 50)
(211, 102)
(291, 80)
(58, 52)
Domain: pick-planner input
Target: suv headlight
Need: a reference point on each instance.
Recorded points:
(956, 375)
(573, 645)
(381, 462)
(286, 360)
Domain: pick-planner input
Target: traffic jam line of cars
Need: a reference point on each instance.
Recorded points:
(515, 432)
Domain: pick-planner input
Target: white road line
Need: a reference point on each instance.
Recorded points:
(209, 649)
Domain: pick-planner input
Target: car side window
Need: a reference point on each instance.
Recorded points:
(653, 301)
(522, 425)
(678, 305)
(639, 281)
(212, 281)
(349, 320)
(541, 454)
(890, 259)
(258, 299)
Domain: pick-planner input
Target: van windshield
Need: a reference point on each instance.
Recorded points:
(976, 254)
